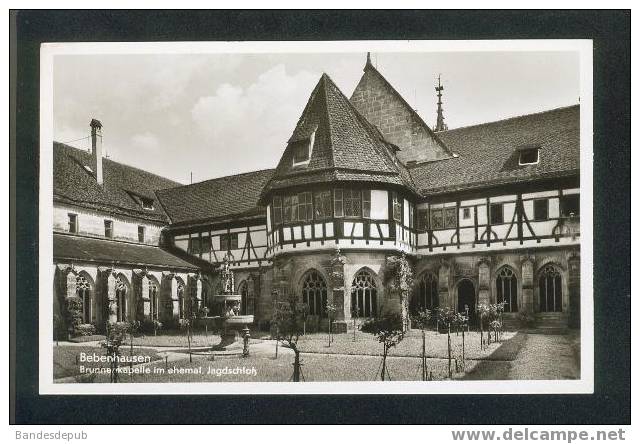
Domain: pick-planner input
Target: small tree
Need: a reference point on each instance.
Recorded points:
(185, 324)
(331, 313)
(398, 276)
(74, 315)
(115, 337)
(388, 329)
(203, 313)
(447, 316)
(483, 313)
(304, 310)
(421, 321)
(354, 316)
(288, 322)
(461, 320)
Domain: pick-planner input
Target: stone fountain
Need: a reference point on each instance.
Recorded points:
(228, 312)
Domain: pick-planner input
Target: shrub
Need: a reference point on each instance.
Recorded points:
(389, 331)
(526, 319)
(85, 329)
(149, 326)
(74, 313)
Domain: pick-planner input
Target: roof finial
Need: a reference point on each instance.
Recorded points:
(440, 125)
(368, 64)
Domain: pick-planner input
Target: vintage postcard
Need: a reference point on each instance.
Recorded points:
(316, 217)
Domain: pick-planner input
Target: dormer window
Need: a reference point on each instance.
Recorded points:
(147, 204)
(529, 155)
(301, 150)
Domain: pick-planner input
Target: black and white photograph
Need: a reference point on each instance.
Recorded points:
(316, 217)
(223, 219)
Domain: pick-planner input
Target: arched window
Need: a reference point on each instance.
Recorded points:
(244, 296)
(427, 293)
(83, 291)
(314, 293)
(364, 295)
(181, 301)
(507, 289)
(121, 300)
(550, 289)
(154, 297)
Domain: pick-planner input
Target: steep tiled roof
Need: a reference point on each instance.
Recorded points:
(488, 154)
(216, 199)
(68, 247)
(74, 184)
(382, 105)
(346, 146)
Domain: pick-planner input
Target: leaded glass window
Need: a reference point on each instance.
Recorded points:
(397, 207)
(450, 218)
(427, 293)
(437, 221)
(277, 210)
(507, 289)
(352, 203)
(550, 289)
(323, 209)
(364, 295)
(305, 206)
(83, 291)
(338, 203)
(314, 293)
(366, 203)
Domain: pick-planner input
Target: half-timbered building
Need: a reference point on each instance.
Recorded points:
(484, 214)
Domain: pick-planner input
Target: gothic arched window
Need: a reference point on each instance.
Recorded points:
(364, 295)
(181, 300)
(121, 300)
(550, 289)
(427, 293)
(507, 289)
(155, 301)
(314, 293)
(83, 291)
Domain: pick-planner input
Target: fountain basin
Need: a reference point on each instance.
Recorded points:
(238, 320)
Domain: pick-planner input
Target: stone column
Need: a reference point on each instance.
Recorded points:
(484, 282)
(527, 284)
(574, 290)
(341, 302)
(443, 285)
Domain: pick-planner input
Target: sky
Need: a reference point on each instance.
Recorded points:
(211, 115)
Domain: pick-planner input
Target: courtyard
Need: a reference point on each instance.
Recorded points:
(531, 354)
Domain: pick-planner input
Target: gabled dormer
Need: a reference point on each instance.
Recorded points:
(379, 102)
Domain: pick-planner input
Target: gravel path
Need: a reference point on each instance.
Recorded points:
(542, 356)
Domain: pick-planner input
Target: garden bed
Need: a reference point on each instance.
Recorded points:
(268, 369)
(90, 338)
(178, 339)
(411, 345)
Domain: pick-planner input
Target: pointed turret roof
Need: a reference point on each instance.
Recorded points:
(346, 147)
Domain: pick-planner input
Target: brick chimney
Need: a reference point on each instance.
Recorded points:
(96, 149)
